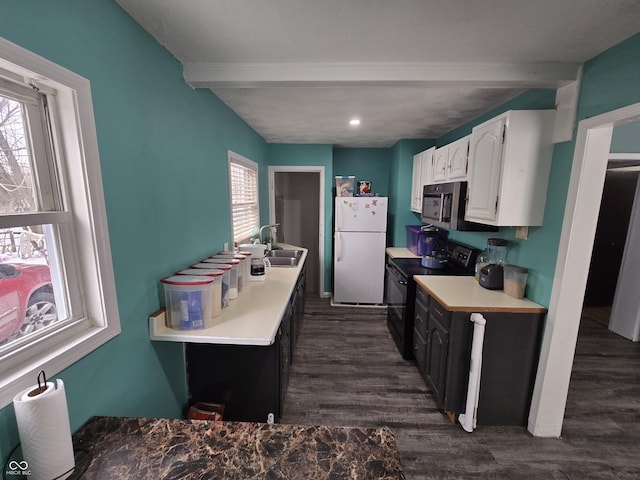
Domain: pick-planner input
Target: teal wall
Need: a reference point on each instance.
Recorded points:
(164, 164)
(537, 253)
(372, 164)
(626, 138)
(609, 81)
(312, 155)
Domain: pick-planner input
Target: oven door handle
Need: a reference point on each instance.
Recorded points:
(441, 213)
(395, 275)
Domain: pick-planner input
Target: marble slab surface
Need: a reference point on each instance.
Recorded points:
(143, 448)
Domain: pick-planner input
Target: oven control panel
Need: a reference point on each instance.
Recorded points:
(462, 255)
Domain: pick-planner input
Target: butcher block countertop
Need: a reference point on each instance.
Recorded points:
(464, 294)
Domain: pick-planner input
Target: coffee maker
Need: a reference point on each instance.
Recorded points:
(492, 275)
(259, 263)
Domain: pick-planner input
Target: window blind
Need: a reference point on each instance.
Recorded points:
(244, 199)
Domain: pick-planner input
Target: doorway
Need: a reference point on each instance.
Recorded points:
(616, 235)
(295, 202)
(593, 142)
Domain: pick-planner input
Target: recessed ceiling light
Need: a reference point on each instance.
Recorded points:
(354, 122)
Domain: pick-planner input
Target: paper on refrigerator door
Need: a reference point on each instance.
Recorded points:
(361, 214)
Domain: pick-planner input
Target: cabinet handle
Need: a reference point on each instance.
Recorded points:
(402, 282)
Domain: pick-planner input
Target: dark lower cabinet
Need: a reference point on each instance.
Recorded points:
(251, 381)
(421, 331)
(442, 345)
(297, 308)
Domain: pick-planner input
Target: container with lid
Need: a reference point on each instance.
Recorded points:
(188, 301)
(515, 280)
(235, 272)
(216, 286)
(244, 268)
(226, 274)
(247, 266)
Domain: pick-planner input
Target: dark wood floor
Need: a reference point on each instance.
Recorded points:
(347, 371)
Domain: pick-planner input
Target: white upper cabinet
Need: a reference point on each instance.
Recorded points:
(509, 163)
(458, 158)
(422, 175)
(450, 161)
(440, 164)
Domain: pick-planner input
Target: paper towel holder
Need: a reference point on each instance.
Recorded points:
(41, 386)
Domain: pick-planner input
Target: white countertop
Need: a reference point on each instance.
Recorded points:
(464, 294)
(251, 319)
(400, 252)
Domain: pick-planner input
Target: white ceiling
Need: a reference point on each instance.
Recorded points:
(298, 70)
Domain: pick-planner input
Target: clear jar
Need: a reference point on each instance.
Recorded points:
(497, 249)
(481, 262)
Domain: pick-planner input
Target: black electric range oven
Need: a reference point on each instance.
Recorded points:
(401, 287)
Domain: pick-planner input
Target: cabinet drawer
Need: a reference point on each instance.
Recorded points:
(438, 312)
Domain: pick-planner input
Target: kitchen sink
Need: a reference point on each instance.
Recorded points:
(284, 258)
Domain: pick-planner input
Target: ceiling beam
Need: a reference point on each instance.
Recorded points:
(514, 75)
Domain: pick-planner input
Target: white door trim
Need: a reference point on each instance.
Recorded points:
(586, 184)
(272, 207)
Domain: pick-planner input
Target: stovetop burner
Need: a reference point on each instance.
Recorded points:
(461, 260)
(413, 266)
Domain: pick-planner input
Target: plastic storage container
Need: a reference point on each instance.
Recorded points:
(412, 237)
(188, 301)
(216, 286)
(421, 239)
(235, 273)
(226, 274)
(244, 268)
(515, 280)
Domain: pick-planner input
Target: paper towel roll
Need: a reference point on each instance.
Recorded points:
(45, 433)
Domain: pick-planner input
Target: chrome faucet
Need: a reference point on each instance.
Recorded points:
(264, 227)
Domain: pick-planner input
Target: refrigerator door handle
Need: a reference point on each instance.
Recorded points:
(338, 247)
(338, 217)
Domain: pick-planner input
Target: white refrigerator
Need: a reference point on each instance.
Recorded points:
(359, 245)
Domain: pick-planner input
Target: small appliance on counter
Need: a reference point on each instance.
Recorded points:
(492, 275)
(259, 263)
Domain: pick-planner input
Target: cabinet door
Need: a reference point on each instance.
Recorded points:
(436, 362)
(416, 186)
(440, 164)
(458, 155)
(426, 169)
(485, 163)
(420, 330)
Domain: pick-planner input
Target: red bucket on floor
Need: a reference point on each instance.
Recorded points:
(206, 411)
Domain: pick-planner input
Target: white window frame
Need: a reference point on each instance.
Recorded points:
(94, 284)
(233, 157)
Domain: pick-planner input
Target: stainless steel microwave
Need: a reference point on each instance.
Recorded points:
(443, 205)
